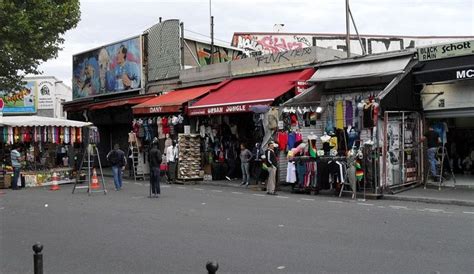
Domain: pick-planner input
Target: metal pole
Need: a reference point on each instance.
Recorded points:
(38, 258)
(212, 39)
(364, 52)
(348, 30)
(182, 45)
(159, 19)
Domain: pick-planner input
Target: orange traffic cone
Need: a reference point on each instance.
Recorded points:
(95, 181)
(54, 180)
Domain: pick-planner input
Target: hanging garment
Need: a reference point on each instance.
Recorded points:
(333, 142)
(300, 172)
(291, 173)
(312, 148)
(323, 175)
(312, 118)
(341, 140)
(359, 173)
(294, 120)
(339, 114)
(282, 138)
(349, 113)
(310, 173)
(300, 116)
(298, 137)
(352, 137)
(368, 116)
(166, 127)
(330, 118)
(291, 140)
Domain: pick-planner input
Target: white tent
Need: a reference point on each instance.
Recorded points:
(39, 121)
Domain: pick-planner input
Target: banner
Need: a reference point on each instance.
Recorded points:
(112, 68)
(445, 51)
(20, 101)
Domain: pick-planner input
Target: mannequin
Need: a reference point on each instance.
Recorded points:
(326, 146)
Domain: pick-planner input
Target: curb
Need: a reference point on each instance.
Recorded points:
(429, 200)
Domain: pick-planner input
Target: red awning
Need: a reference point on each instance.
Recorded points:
(120, 102)
(172, 101)
(240, 94)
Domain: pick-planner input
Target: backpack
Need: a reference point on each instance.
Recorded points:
(114, 158)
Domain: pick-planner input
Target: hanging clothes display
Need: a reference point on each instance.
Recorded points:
(349, 113)
(339, 114)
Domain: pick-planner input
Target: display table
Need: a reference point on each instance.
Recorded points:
(44, 177)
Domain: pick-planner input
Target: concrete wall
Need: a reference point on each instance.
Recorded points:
(51, 94)
(264, 43)
(260, 64)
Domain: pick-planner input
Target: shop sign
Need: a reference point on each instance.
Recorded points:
(45, 96)
(220, 109)
(156, 109)
(465, 74)
(19, 101)
(446, 51)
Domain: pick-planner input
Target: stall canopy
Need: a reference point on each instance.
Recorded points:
(310, 96)
(239, 95)
(445, 70)
(172, 101)
(39, 121)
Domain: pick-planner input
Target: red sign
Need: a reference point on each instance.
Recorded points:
(221, 109)
(157, 109)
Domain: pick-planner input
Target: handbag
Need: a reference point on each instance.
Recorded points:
(163, 167)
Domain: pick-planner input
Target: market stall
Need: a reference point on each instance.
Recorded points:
(46, 146)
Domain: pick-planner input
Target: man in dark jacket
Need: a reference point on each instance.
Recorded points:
(117, 158)
(155, 161)
(271, 162)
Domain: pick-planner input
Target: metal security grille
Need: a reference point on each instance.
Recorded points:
(163, 50)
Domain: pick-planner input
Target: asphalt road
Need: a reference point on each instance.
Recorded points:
(245, 231)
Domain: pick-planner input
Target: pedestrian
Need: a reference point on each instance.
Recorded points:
(154, 157)
(171, 159)
(433, 140)
(271, 162)
(16, 159)
(245, 156)
(117, 159)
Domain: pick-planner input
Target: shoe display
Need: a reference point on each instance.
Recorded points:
(189, 165)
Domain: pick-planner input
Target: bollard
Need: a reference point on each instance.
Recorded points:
(38, 258)
(212, 267)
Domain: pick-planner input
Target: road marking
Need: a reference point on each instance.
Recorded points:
(434, 210)
(468, 212)
(280, 225)
(336, 202)
(165, 186)
(203, 203)
(236, 192)
(365, 204)
(283, 197)
(138, 184)
(307, 199)
(215, 190)
(181, 187)
(259, 195)
(380, 206)
(281, 267)
(2, 208)
(198, 188)
(399, 207)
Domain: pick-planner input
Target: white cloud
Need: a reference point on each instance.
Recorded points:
(106, 21)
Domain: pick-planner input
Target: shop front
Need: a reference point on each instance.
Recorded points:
(243, 111)
(356, 127)
(447, 85)
(47, 146)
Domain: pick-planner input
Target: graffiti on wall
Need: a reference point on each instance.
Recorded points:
(112, 68)
(257, 44)
(271, 43)
(220, 55)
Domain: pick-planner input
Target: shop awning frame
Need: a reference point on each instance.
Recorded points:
(240, 94)
(357, 70)
(309, 97)
(39, 121)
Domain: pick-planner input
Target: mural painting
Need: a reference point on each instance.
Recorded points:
(111, 68)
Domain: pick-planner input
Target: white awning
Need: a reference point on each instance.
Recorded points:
(39, 121)
(353, 70)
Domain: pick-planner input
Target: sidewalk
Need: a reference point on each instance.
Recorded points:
(447, 195)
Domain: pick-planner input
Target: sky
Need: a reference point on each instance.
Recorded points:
(106, 21)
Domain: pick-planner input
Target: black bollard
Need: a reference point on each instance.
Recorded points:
(38, 258)
(212, 267)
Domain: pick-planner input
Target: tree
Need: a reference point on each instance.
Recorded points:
(30, 33)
